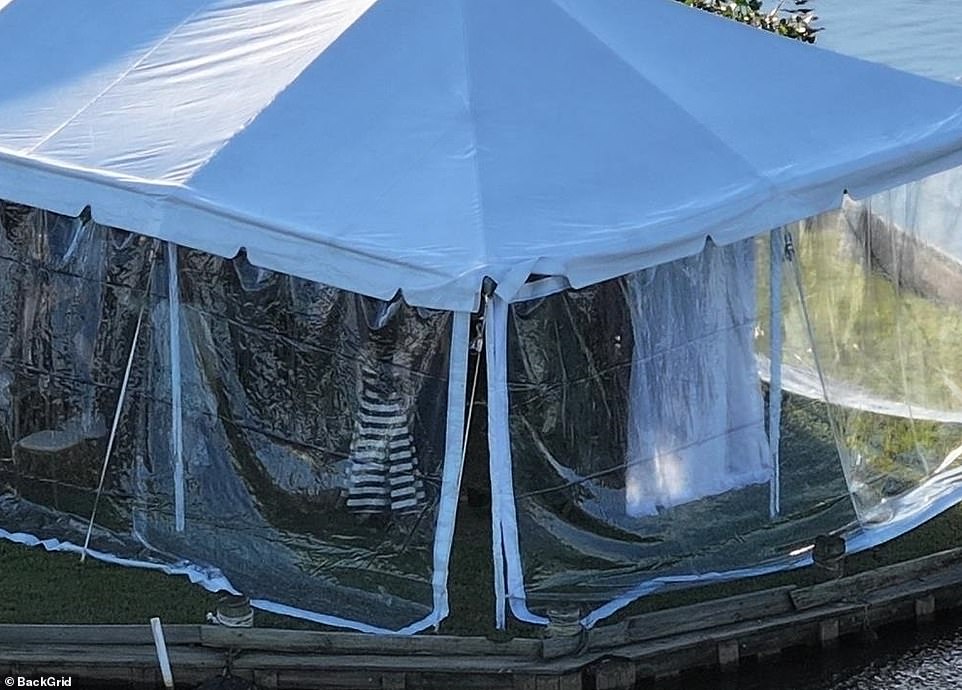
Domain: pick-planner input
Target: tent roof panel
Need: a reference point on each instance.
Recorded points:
(384, 145)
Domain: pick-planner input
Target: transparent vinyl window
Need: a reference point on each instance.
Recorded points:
(293, 444)
(652, 443)
(61, 368)
(638, 417)
(876, 338)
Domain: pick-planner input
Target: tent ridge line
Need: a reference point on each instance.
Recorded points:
(123, 75)
(693, 120)
(316, 54)
(473, 128)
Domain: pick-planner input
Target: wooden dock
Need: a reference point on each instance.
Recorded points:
(658, 645)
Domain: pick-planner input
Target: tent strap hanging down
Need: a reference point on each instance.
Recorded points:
(120, 400)
(176, 397)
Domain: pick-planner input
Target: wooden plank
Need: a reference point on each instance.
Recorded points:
(393, 681)
(897, 602)
(95, 634)
(948, 596)
(114, 674)
(705, 615)
(614, 674)
(138, 656)
(95, 676)
(265, 639)
(686, 651)
(463, 681)
(381, 663)
(604, 636)
(306, 659)
(328, 680)
(697, 649)
(796, 628)
(671, 664)
(856, 586)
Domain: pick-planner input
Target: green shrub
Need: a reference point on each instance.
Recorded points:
(796, 22)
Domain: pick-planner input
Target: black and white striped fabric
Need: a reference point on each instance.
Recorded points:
(384, 474)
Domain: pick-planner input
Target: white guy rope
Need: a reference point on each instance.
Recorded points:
(120, 402)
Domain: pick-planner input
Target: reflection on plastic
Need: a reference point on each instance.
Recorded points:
(638, 445)
(882, 325)
(696, 419)
(313, 425)
(637, 408)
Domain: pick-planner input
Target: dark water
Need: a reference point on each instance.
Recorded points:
(901, 659)
(924, 37)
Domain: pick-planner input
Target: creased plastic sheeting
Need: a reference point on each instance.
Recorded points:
(638, 456)
(72, 292)
(878, 340)
(867, 317)
(315, 445)
(699, 430)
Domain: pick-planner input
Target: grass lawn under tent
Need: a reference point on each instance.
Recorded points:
(55, 588)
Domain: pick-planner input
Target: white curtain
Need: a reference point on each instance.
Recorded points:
(696, 416)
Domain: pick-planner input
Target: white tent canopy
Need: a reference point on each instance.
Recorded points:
(390, 145)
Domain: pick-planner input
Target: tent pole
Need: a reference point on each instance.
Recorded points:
(497, 443)
(176, 398)
(777, 256)
(477, 345)
(120, 400)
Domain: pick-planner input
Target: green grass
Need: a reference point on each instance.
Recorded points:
(41, 587)
(869, 330)
(37, 586)
(44, 587)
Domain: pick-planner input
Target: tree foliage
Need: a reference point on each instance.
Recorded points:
(795, 22)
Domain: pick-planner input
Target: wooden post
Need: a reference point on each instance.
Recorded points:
(393, 681)
(728, 655)
(615, 674)
(547, 683)
(522, 681)
(266, 680)
(828, 558)
(925, 609)
(828, 634)
(572, 681)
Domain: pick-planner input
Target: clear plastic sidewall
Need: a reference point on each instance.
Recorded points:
(312, 420)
